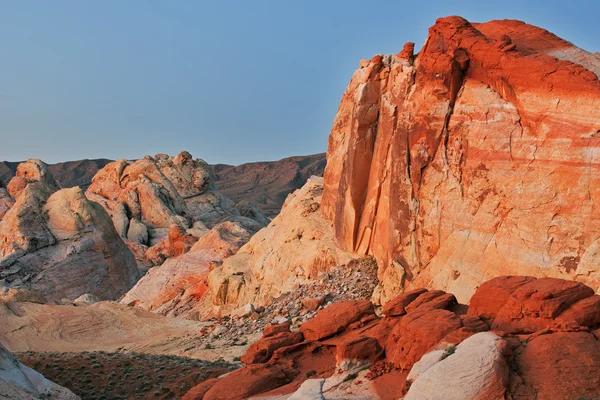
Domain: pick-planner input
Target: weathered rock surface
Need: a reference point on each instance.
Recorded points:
(433, 349)
(477, 370)
(473, 159)
(296, 247)
(177, 287)
(164, 203)
(60, 244)
(264, 184)
(18, 382)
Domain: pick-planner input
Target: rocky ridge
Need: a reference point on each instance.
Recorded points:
(162, 205)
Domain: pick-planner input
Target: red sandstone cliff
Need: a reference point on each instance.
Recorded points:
(475, 158)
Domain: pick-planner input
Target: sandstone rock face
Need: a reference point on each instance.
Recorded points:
(18, 382)
(60, 244)
(296, 246)
(474, 159)
(149, 199)
(177, 287)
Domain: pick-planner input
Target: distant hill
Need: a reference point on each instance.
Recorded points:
(265, 184)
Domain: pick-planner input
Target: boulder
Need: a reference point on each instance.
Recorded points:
(357, 352)
(560, 365)
(476, 370)
(261, 351)
(535, 305)
(397, 305)
(248, 381)
(417, 333)
(273, 329)
(335, 318)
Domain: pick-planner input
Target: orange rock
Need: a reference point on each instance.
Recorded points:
(416, 333)
(177, 242)
(271, 329)
(561, 365)
(535, 305)
(585, 312)
(454, 170)
(335, 318)
(408, 51)
(397, 305)
(436, 299)
(261, 351)
(248, 381)
(360, 349)
(493, 294)
(313, 303)
(198, 391)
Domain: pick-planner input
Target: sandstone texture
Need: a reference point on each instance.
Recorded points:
(58, 243)
(445, 350)
(162, 205)
(18, 382)
(294, 248)
(475, 158)
(177, 287)
(265, 184)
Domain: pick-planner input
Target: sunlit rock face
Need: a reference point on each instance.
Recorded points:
(475, 158)
(55, 243)
(150, 198)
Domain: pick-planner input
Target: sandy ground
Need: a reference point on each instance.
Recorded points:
(106, 326)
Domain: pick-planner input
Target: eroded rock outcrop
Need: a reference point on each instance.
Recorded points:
(151, 199)
(296, 247)
(475, 158)
(177, 287)
(433, 349)
(58, 243)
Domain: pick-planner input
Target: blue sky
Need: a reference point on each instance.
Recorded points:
(229, 81)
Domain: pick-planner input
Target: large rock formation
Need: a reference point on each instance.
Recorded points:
(59, 244)
(475, 158)
(18, 382)
(432, 349)
(147, 197)
(296, 247)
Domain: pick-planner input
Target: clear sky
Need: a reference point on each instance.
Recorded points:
(229, 81)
